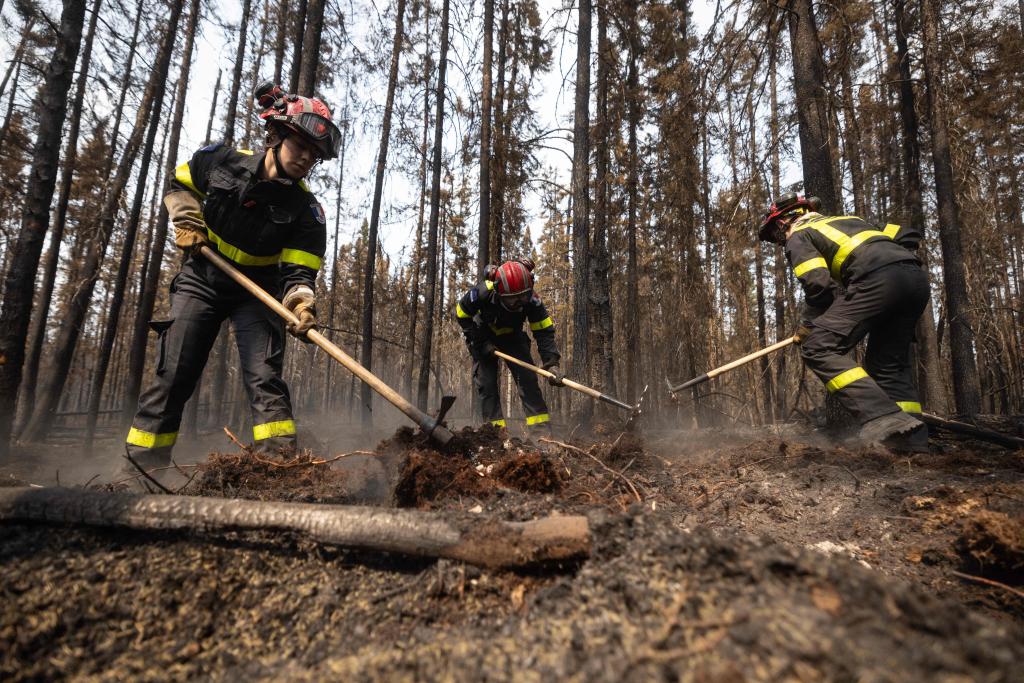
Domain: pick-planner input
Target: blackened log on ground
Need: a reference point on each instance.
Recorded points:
(484, 542)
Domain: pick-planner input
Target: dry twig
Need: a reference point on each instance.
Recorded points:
(568, 447)
(234, 439)
(989, 582)
(144, 472)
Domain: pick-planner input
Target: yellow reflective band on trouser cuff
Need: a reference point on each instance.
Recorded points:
(303, 258)
(137, 437)
(810, 264)
(460, 313)
(909, 406)
(272, 429)
(498, 423)
(501, 330)
(841, 380)
(183, 174)
(239, 256)
(546, 322)
(538, 419)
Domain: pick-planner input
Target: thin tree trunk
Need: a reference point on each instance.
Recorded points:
(498, 144)
(78, 307)
(15, 66)
(282, 32)
(632, 317)
(151, 283)
(483, 233)
(370, 268)
(311, 47)
(423, 384)
(208, 138)
(236, 77)
(966, 385)
(297, 34)
(328, 384)
(20, 281)
(37, 334)
(126, 82)
(581, 204)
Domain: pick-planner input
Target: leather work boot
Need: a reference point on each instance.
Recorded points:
(876, 431)
(915, 441)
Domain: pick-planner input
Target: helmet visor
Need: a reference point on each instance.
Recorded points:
(321, 131)
(515, 302)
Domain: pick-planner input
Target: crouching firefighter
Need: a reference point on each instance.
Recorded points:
(858, 280)
(491, 316)
(255, 211)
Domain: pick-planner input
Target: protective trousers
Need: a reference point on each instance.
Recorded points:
(485, 379)
(884, 305)
(201, 298)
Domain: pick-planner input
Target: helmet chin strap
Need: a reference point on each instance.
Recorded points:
(276, 151)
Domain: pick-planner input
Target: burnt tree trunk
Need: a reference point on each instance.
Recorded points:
(427, 336)
(298, 31)
(483, 232)
(632, 316)
(370, 267)
(231, 112)
(966, 385)
(19, 284)
(311, 47)
(581, 205)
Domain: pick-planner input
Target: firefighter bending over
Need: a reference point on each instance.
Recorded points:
(491, 316)
(256, 212)
(858, 281)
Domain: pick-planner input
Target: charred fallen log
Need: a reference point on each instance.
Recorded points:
(484, 542)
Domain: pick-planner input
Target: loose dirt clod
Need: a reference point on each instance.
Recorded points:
(992, 544)
(296, 477)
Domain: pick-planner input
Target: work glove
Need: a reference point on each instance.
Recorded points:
(186, 215)
(802, 333)
(300, 301)
(555, 381)
(485, 349)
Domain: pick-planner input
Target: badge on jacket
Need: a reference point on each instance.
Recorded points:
(318, 213)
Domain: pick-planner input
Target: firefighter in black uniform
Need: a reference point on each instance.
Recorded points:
(491, 316)
(858, 280)
(256, 212)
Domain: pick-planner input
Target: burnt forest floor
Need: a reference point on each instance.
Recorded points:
(717, 556)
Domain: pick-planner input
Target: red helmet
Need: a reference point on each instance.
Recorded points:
(307, 116)
(514, 283)
(783, 207)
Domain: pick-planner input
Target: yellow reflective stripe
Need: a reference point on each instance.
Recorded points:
(183, 174)
(810, 264)
(137, 437)
(239, 256)
(272, 429)
(303, 258)
(909, 406)
(538, 419)
(841, 380)
(546, 322)
(891, 230)
(849, 245)
(246, 152)
(304, 186)
(461, 313)
(490, 284)
(498, 423)
(501, 330)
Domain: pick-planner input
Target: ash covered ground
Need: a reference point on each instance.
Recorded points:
(716, 557)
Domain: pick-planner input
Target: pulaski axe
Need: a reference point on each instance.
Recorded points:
(728, 366)
(594, 393)
(430, 425)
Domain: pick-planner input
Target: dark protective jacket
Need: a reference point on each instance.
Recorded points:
(482, 318)
(274, 230)
(828, 251)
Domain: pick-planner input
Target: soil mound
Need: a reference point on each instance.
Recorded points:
(992, 543)
(295, 477)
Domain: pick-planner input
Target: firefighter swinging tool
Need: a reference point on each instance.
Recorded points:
(710, 374)
(594, 393)
(430, 425)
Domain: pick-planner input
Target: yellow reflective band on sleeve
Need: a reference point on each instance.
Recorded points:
(501, 330)
(891, 230)
(847, 247)
(498, 423)
(303, 258)
(271, 429)
(538, 419)
(239, 256)
(183, 174)
(848, 377)
(246, 152)
(461, 313)
(137, 437)
(490, 284)
(546, 322)
(909, 406)
(810, 264)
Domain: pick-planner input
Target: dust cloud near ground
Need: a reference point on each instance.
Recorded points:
(717, 556)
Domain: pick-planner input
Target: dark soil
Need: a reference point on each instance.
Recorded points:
(717, 557)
